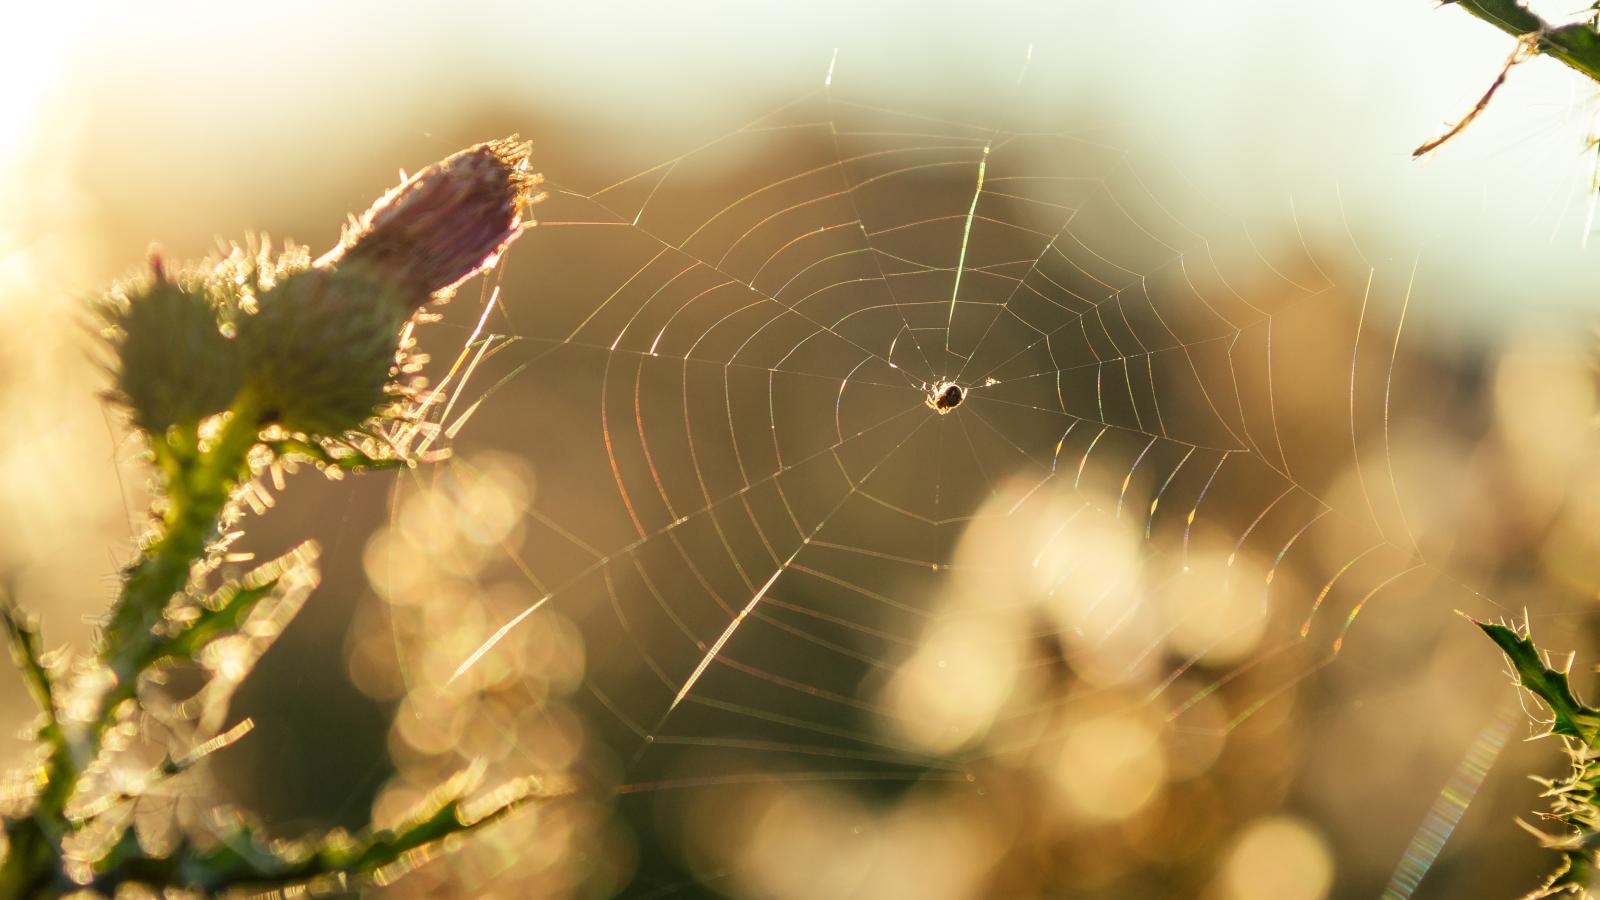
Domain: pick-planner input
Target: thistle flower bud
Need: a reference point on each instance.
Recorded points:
(315, 346)
(173, 364)
(320, 346)
(444, 224)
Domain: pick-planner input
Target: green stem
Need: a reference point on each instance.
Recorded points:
(30, 863)
(1577, 45)
(1573, 801)
(199, 484)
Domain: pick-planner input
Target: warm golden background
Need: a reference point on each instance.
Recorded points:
(1277, 134)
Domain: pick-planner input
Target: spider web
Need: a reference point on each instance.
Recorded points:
(757, 519)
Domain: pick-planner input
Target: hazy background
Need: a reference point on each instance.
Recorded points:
(120, 127)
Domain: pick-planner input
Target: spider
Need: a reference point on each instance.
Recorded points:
(945, 396)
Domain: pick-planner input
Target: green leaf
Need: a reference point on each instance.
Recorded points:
(1573, 717)
(347, 457)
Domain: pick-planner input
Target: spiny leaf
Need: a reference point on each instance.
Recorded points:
(1573, 717)
(227, 610)
(348, 458)
(23, 634)
(170, 767)
(234, 605)
(242, 856)
(1572, 798)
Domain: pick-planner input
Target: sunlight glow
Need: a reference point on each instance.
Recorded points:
(32, 59)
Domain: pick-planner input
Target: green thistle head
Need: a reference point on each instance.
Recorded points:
(319, 349)
(174, 365)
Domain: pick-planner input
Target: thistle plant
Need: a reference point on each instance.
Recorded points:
(230, 369)
(1574, 798)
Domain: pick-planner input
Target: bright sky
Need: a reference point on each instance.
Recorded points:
(1270, 105)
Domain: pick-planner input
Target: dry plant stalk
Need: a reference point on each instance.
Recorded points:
(227, 368)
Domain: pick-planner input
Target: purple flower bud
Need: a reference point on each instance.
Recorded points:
(444, 224)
